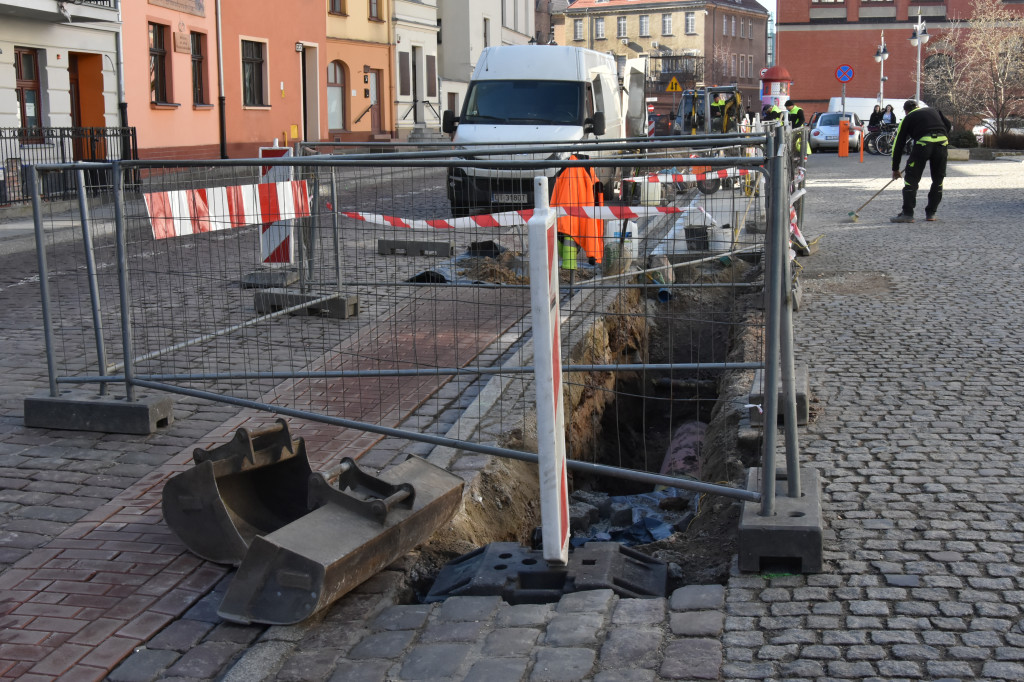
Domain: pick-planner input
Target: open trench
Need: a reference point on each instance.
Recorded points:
(629, 419)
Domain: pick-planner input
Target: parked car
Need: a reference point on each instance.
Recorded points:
(825, 132)
(1014, 126)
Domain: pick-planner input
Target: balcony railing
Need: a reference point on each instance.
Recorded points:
(24, 147)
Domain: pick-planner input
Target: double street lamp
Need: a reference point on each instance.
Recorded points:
(918, 38)
(881, 54)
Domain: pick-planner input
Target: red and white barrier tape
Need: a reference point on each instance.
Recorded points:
(516, 218)
(691, 177)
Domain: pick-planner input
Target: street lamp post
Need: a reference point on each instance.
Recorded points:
(918, 38)
(881, 54)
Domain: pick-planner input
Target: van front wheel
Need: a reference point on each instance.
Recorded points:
(709, 186)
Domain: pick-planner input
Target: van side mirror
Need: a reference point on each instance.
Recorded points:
(596, 123)
(449, 121)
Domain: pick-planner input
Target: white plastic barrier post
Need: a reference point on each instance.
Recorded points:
(547, 362)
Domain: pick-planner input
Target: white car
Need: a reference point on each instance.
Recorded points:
(825, 132)
(1014, 126)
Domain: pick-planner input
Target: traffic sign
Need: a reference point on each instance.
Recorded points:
(673, 86)
(764, 71)
(844, 74)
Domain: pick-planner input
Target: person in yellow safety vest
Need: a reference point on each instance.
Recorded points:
(929, 129)
(773, 112)
(717, 106)
(796, 120)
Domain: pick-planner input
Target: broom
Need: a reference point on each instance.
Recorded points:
(854, 214)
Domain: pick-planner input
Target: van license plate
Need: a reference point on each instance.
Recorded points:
(508, 198)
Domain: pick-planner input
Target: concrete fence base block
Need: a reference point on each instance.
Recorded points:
(412, 247)
(802, 387)
(791, 539)
(272, 300)
(268, 279)
(87, 411)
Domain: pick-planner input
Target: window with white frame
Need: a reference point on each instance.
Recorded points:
(620, 27)
(743, 25)
(725, 26)
(577, 29)
(690, 23)
(732, 69)
(734, 27)
(666, 24)
(743, 66)
(750, 65)
(599, 28)
(645, 26)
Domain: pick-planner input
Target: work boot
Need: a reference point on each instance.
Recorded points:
(902, 218)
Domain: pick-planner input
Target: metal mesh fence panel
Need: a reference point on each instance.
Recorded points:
(357, 288)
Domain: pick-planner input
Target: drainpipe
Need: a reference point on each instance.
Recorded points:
(221, 100)
(122, 105)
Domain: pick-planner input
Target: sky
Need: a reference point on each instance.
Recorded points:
(769, 4)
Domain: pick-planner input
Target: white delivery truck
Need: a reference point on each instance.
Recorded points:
(863, 106)
(539, 94)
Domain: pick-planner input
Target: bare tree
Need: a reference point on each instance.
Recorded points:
(946, 77)
(717, 68)
(978, 65)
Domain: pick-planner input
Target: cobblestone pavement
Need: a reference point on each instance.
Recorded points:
(911, 337)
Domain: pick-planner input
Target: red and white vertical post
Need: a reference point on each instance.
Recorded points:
(547, 362)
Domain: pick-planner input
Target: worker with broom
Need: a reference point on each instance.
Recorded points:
(929, 129)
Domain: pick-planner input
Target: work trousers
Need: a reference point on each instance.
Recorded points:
(931, 153)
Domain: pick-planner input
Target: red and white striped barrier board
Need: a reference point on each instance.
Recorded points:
(692, 177)
(192, 211)
(547, 360)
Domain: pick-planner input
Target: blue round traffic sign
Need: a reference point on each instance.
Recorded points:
(844, 74)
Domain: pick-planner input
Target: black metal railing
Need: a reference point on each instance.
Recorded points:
(24, 147)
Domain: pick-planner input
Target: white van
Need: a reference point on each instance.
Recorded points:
(863, 106)
(539, 94)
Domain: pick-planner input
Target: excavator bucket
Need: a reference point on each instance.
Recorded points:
(300, 543)
(250, 486)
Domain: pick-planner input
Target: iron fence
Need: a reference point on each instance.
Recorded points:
(345, 292)
(21, 148)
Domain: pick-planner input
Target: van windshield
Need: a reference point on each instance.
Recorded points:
(524, 102)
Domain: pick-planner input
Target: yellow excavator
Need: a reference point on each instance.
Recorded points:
(708, 110)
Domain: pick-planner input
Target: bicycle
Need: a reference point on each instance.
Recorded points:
(885, 141)
(874, 133)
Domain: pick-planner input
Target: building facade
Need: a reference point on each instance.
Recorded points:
(360, 83)
(719, 42)
(816, 37)
(465, 28)
(60, 93)
(418, 93)
(59, 64)
(171, 78)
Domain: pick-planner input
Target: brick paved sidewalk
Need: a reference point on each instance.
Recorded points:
(77, 606)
